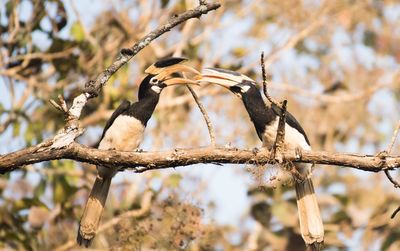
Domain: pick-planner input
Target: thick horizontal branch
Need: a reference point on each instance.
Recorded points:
(144, 161)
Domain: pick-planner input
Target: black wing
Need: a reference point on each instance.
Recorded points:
(121, 108)
(290, 120)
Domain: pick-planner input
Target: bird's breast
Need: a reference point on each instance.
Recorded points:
(293, 138)
(125, 134)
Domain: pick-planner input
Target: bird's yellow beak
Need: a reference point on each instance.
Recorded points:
(225, 78)
(169, 70)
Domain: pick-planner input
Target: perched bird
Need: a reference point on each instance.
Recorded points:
(124, 132)
(265, 119)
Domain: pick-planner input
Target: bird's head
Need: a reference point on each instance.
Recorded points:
(237, 83)
(163, 73)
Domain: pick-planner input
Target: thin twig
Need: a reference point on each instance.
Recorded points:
(388, 151)
(205, 115)
(395, 133)
(279, 143)
(265, 82)
(391, 179)
(177, 53)
(395, 212)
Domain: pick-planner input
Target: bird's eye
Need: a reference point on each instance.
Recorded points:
(153, 81)
(235, 88)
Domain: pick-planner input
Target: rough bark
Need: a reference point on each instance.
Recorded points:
(145, 161)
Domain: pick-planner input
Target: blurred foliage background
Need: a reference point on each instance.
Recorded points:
(337, 63)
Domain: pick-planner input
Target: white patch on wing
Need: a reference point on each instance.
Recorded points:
(125, 134)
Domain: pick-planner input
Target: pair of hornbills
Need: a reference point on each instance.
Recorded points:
(124, 132)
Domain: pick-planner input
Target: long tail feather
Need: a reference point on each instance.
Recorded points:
(93, 211)
(311, 227)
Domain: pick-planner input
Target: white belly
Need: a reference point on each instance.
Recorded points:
(125, 134)
(293, 138)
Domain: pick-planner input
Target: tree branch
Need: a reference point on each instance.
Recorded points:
(265, 82)
(279, 143)
(145, 161)
(93, 87)
(205, 115)
(72, 130)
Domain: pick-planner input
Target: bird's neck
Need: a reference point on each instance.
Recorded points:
(144, 108)
(259, 113)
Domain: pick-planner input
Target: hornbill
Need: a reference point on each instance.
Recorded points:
(124, 132)
(265, 119)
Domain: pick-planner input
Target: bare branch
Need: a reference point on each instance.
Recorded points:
(395, 133)
(279, 144)
(145, 161)
(391, 179)
(388, 151)
(395, 212)
(205, 115)
(265, 82)
(93, 87)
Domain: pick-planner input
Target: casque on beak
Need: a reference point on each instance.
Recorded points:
(222, 77)
(167, 74)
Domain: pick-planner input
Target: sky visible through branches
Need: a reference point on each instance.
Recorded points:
(223, 184)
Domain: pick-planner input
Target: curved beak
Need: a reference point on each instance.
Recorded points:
(170, 73)
(225, 78)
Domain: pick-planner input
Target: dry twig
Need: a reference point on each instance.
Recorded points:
(265, 82)
(279, 144)
(205, 115)
(388, 151)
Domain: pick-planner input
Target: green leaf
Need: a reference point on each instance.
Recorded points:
(25, 203)
(16, 129)
(40, 188)
(77, 32)
(370, 38)
(62, 188)
(9, 8)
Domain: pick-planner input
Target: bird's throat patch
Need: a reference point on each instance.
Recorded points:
(156, 88)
